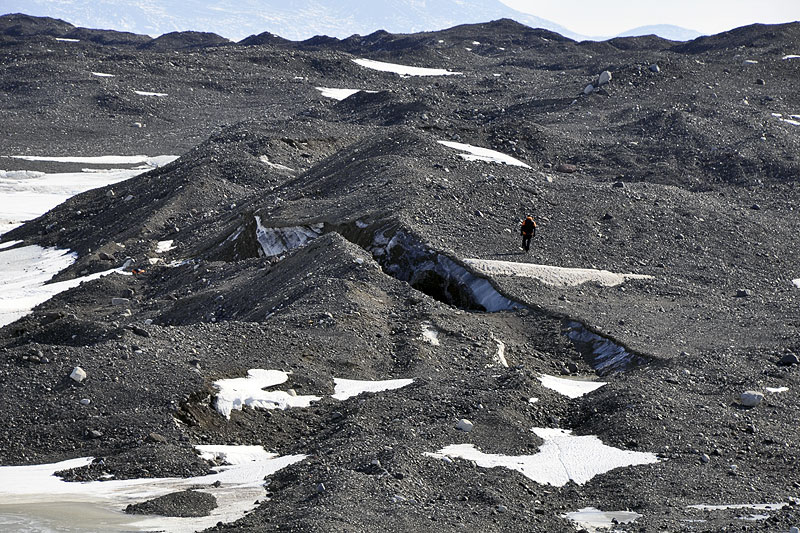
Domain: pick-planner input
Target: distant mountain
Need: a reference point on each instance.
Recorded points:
(295, 20)
(666, 31)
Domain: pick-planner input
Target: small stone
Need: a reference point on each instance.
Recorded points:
(465, 425)
(120, 301)
(755, 207)
(618, 185)
(605, 77)
(759, 81)
(794, 530)
(705, 459)
(588, 89)
(567, 168)
(608, 216)
(655, 68)
(94, 434)
(502, 509)
(743, 293)
(789, 359)
(105, 257)
(86, 401)
(320, 488)
(155, 437)
(733, 470)
(78, 374)
(751, 398)
(140, 331)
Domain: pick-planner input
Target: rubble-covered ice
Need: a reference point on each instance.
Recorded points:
(571, 388)
(605, 355)
(236, 393)
(347, 388)
(562, 458)
(403, 70)
(276, 241)
(236, 486)
(475, 153)
(551, 275)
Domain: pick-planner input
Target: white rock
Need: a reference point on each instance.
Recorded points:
(588, 89)
(78, 374)
(86, 401)
(120, 301)
(605, 77)
(794, 530)
(464, 425)
(751, 398)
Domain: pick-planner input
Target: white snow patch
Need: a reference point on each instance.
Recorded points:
(9, 244)
(756, 506)
(777, 390)
(475, 153)
(790, 121)
(403, 70)
(476, 43)
(65, 40)
(150, 161)
(164, 246)
(533, 400)
(791, 57)
(264, 159)
(592, 519)
(337, 94)
(102, 75)
(796, 282)
(572, 388)
(562, 457)
(551, 275)
(430, 334)
(147, 93)
(347, 388)
(235, 393)
(275, 241)
(24, 273)
(241, 482)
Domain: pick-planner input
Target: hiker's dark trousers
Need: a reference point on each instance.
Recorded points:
(526, 241)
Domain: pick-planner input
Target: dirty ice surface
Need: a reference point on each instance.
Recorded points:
(236, 393)
(500, 355)
(551, 275)
(24, 273)
(592, 519)
(562, 457)
(26, 194)
(275, 241)
(475, 153)
(264, 159)
(571, 388)
(27, 494)
(347, 388)
(430, 335)
(403, 70)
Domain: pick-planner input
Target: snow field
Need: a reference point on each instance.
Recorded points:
(403, 70)
(571, 388)
(475, 153)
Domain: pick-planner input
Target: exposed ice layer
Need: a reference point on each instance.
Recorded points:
(347, 388)
(562, 457)
(796, 282)
(572, 388)
(436, 274)
(65, 40)
(592, 519)
(164, 246)
(551, 275)
(26, 488)
(756, 506)
(605, 356)
(147, 93)
(152, 161)
(234, 394)
(791, 57)
(264, 159)
(24, 273)
(403, 70)
(430, 335)
(102, 75)
(276, 241)
(475, 153)
(337, 94)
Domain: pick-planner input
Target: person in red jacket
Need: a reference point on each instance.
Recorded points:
(528, 230)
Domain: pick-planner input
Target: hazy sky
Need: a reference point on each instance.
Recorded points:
(610, 17)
